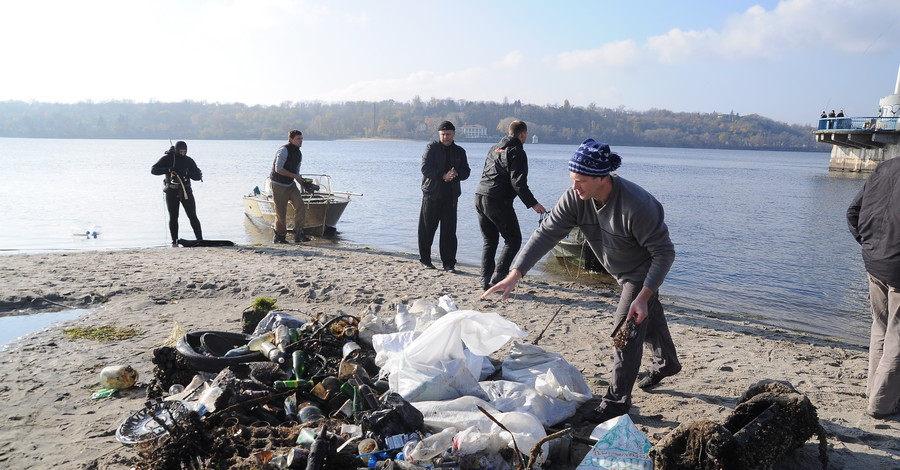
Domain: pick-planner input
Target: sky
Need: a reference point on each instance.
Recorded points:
(787, 60)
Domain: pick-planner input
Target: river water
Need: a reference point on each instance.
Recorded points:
(758, 234)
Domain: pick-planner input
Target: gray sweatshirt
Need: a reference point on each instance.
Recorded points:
(628, 234)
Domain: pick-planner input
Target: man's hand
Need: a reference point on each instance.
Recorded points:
(539, 208)
(507, 285)
(638, 308)
(448, 176)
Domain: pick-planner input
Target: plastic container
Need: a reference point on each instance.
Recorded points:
(118, 377)
(433, 445)
(309, 414)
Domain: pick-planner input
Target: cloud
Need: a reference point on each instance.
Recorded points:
(612, 54)
(793, 26)
(514, 59)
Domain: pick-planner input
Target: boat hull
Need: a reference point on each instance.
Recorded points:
(574, 251)
(322, 212)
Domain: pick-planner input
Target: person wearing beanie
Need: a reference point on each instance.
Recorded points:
(624, 225)
(444, 165)
(285, 170)
(505, 177)
(179, 169)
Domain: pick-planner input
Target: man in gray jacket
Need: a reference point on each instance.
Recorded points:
(625, 227)
(874, 220)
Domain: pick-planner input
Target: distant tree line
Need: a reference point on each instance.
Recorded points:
(390, 119)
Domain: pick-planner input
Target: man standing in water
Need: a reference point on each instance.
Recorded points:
(874, 220)
(179, 170)
(284, 172)
(504, 177)
(625, 227)
(444, 165)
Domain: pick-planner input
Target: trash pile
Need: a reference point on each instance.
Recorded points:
(417, 390)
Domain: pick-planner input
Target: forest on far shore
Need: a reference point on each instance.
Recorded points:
(415, 120)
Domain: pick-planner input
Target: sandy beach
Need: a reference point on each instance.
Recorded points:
(48, 419)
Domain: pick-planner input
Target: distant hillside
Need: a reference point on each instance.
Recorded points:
(415, 120)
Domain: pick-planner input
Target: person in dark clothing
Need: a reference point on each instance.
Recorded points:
(179, 169)
(284, 172)
(874, 221)
(444, 165)
(505, 176)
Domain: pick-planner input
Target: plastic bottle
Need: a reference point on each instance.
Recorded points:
(433, 445)
(282, 338)
(403, 319)
(272, 352)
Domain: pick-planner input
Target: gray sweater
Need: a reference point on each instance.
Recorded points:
(628, 234)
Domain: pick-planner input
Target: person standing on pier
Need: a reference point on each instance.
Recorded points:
(874, 220)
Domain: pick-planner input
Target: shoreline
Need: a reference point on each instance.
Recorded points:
(46, 378)
(550, 271)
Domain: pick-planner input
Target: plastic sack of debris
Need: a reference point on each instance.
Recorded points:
(457, 412)
(620, 445)
(508, 396)
(390, 344)
(437, 358)
(525, 429)
(275, 318)
(532, 365)
(372, 325)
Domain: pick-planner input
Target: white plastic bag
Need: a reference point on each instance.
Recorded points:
(387, 345)
(510, 396)
(526, 430)
(620, 446)
(372, 325)
(527, 363)
(462, 410)
(440, 350)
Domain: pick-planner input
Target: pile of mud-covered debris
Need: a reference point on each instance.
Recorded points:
(417, 390)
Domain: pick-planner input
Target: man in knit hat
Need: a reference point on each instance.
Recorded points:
(625, 227)
(444, 165)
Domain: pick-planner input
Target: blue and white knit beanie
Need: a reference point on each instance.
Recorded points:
(594, 159)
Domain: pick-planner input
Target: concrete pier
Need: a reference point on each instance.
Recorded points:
(859, 144)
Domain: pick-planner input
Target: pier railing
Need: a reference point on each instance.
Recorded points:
(873, 123)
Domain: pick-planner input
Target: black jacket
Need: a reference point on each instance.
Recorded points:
(183, 165)
(505, 173)
(438, 160)
(874, 220)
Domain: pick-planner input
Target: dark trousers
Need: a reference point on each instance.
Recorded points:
(497, 218)
(190, 208)
(437, 212)
(654, 332)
